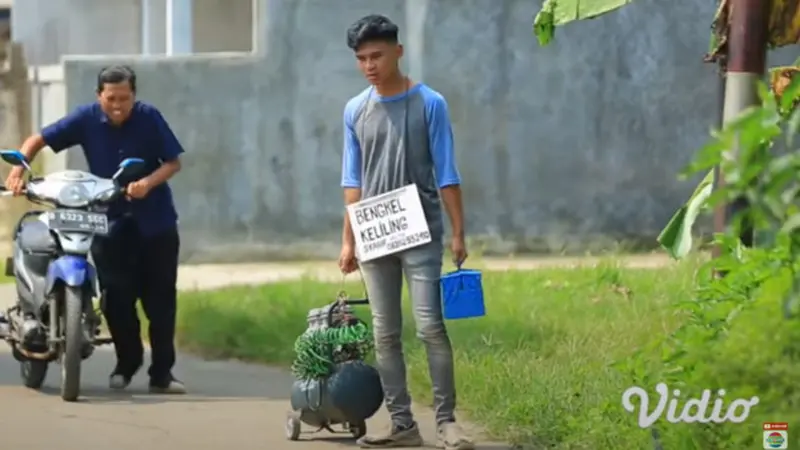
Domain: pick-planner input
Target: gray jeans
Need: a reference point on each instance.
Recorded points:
(422, 267)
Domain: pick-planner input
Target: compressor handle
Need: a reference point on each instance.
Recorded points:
(335, 307)
(363, 301)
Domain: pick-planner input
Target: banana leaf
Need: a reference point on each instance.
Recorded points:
(783, 28)
(784, 20)
(784, 23)
(676, 238)
(559, 12)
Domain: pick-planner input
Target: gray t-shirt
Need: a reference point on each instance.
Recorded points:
(391, 142)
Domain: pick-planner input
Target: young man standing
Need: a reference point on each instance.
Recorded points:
(139, 258)
(397, 134)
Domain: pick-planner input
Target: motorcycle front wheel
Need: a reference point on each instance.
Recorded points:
(72, 319)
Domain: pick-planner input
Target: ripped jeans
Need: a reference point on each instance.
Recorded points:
(383, 277)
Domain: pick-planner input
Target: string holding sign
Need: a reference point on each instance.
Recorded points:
(388, 223)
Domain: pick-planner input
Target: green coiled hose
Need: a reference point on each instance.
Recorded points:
(318, 351)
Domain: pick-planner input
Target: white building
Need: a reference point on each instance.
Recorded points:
(49, 29)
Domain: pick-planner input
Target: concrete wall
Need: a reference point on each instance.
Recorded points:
(48, 104)
(15, 124)
(50, 29)
(570, 146)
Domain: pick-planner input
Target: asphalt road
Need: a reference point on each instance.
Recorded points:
(229, 405)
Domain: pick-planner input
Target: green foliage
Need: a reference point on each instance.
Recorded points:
(560, 12)
(676, 238)
(740, 334)
(544, 27)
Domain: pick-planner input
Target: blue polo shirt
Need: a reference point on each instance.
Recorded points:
(144, 135)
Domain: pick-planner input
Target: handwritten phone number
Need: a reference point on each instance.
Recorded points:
(411, 239)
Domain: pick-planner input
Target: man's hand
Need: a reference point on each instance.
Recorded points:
(347, 259)
(139, 189)
(15, 181)
(459, 250)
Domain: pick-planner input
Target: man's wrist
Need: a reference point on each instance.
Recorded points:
(458, 234)
(348, 239)
(29, 155)
(150, 181)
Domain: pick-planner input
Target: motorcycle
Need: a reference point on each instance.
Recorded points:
(54, 318)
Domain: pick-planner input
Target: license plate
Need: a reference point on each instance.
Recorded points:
(78, 221)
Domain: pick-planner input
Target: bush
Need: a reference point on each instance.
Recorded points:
(740, 334)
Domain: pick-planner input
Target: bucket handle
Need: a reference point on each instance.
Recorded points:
(460, 279)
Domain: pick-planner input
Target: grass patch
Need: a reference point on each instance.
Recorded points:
(536, 370)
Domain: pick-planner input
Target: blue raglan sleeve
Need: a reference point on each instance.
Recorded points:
(67, 131)
(351, 154)
(440, 140)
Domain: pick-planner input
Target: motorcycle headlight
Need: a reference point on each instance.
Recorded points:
(74, 196)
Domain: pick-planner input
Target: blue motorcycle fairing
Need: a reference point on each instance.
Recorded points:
(75, 271)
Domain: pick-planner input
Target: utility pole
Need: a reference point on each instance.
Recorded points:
(720, 209)
(745, 66)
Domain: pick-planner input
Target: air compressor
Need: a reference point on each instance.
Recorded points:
(333, 384)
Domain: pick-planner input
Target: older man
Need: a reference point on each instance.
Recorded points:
(139, 258)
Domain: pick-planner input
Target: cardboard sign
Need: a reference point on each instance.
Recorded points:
(389, 223)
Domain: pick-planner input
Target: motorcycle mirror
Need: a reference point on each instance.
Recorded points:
(129, 168)
(15, 158)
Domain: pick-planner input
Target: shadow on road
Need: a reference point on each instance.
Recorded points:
(348, 441)
(206, 381)
(137, 396)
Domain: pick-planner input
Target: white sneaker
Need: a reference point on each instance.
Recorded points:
(450, 436)
(118, 382)
(393, 437)
(174, 386)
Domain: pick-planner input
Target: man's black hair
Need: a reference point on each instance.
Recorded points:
(370, 29)
(115, 75)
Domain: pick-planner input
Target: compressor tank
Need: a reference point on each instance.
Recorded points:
(352, 394)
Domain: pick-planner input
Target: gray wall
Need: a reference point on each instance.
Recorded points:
(570, 146)
(50, 29)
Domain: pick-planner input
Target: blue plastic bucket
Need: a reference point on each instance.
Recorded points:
(462, 294)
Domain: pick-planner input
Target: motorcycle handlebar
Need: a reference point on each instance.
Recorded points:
(6, 193)
(119, 190)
